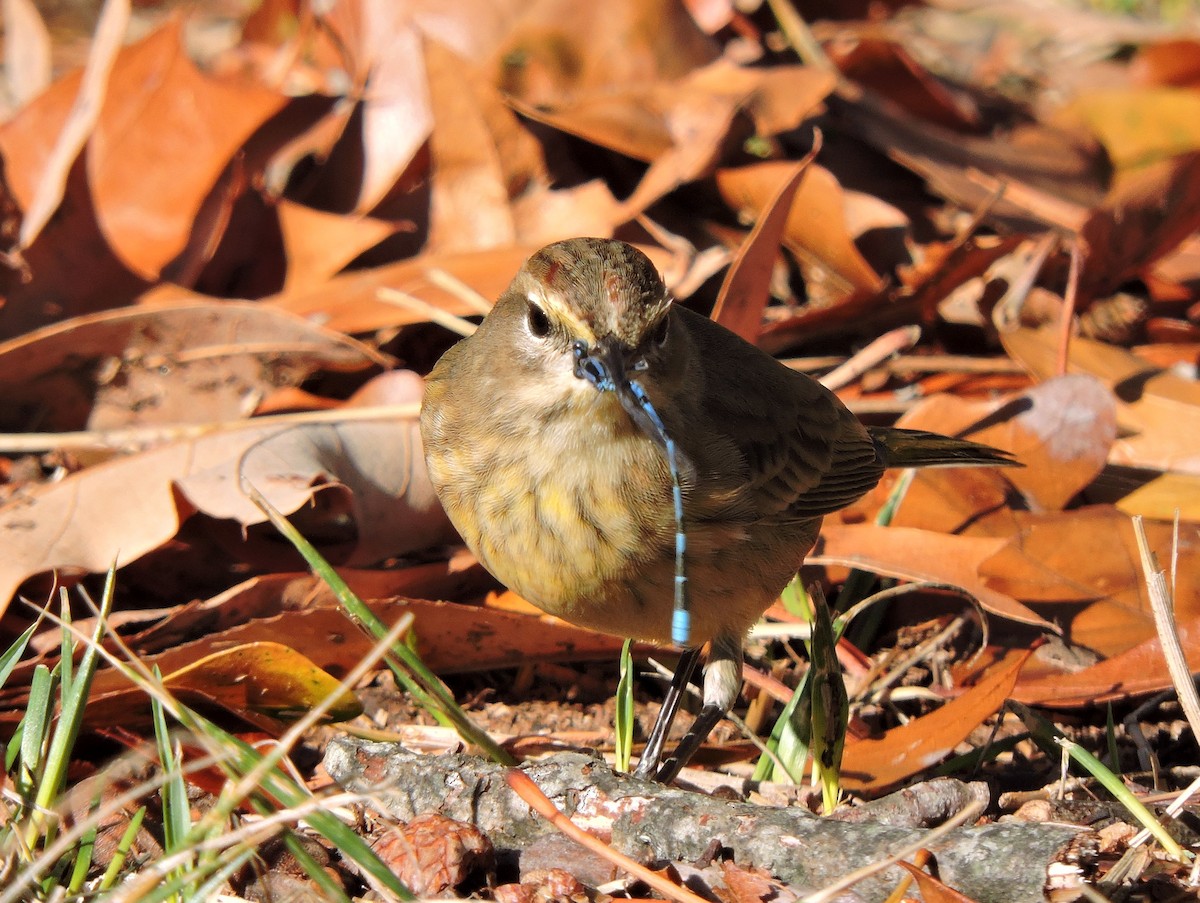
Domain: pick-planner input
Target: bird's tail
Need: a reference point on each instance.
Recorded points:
(917, 448)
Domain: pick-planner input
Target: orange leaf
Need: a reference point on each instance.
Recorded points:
(816, 223)
(877, 764)
(1136, 672)
(920, 555)
(932, 890)
(747, 287)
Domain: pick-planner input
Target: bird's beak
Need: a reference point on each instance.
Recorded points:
(602, 365)
(606, 367)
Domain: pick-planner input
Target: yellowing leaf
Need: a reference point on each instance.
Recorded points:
(1140, 125)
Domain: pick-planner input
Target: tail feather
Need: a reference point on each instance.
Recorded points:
(917, 448)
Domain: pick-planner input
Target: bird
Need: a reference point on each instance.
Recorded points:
(546, 435)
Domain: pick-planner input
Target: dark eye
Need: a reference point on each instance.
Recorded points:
(539, 323)
(658, 334)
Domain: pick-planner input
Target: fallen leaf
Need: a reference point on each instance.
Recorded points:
(1139, 125)
(142, 499)
(878, 764)
(179, 362)
(1144, 218)
(887, 69)
(27, 64)
(40, 146)
(319, 244)
(816, 230)
(469, 208)
(1061, 430)
(1086, 560)
(261, 678)
(387, 53)
(145, 207)
(1164, 497)
(1135, 672)
(561, 48)
(932, 890)
(920, 555)
(1157, 409)
(371, 472)
(450, 637)
(350, 302)
(543, 215)
(747, 286)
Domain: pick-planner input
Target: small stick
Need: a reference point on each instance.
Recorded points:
(524, 787)
(448, 282)
(431, 312)
(875, 353)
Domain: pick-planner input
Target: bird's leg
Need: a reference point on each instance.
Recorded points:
(652, 753)
(722, 683)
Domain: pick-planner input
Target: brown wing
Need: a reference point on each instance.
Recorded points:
(799, 453)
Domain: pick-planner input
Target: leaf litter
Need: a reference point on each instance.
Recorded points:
(269, 185)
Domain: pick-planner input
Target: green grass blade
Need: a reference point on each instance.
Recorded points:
(39, 713)
(11, 657)
(431, 687)
(176, 809)
(623, 716)
(121, 854)
(1051, 739)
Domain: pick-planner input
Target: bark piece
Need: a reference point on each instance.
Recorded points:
(1004, 863)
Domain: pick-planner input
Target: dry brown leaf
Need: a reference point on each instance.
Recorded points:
(1139, 670)
(260, 681)
(544, 215)
(350, 303)
(386, 50)
(933, 890)
(816, 229)
(1087, 561)
(469, 208)
(1139, 125)
(1165, 496)
(921, 555)
(1144, 218)
(41, 145)
(562, 48)
(747, 286)
(319, 244)
(887, 69)
(1159, 408)
(451, 638)
(153, 161)
(1049, 175)
(181, 362)
(1167, 62)
(877, 764)
(752, 885)
(1061, 430)
(371, 472)
(129, 506)
(115, 511)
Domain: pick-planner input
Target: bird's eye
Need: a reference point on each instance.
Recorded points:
(658, 335)
(539, 323)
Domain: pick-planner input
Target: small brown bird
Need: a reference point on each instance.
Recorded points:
(543, 441)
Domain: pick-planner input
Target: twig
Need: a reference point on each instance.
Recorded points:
(875, 353)
(1068, 310)
(448, 282)
(1165, 626)
(31, 443)
(431, 312)
(524, 787)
